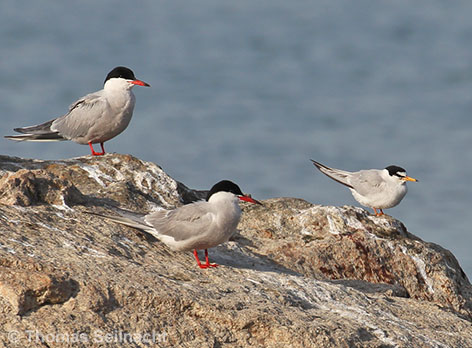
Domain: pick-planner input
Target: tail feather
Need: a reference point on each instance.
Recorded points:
(338, 175)
(40, 132)
(53, 136)
(134, 222)
(43, 128)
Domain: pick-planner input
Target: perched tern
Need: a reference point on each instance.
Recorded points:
(198, 225)
(94, 118)
(374, 188)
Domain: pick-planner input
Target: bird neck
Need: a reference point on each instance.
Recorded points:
(225, 205)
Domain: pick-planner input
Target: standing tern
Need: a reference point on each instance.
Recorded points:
(94, 118)
(198, 225)
(374, 188)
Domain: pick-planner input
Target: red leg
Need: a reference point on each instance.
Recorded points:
(380, 213)
(208, 261)
(198, 260)
(97, 153)
(103, 149)
(207, 264)
(91, 149)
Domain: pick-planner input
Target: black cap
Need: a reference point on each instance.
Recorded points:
(121, 71)
(396, 170)
(225, 186)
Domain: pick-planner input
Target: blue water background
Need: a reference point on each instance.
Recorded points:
(251, 90)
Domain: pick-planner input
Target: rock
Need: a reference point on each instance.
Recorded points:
(350, 243)
(297, 274)
(30, 187)
(26, 285)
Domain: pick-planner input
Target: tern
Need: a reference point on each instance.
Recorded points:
(94, 118)
(374, 188)
(195, 226)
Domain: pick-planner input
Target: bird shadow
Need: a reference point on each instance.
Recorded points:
(237, 255)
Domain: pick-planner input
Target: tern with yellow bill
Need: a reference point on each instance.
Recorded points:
(375, 188)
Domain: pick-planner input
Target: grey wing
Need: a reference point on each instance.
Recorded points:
(367, 182)
(182, 223)
(82, 115)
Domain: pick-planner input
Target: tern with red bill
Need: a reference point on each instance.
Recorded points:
(196, 226)
(374, 188)
(94, 118)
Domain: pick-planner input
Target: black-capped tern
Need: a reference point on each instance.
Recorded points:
(374, 188)
(195, 226)
(94, 118)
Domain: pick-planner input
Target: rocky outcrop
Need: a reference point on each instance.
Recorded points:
(350, 243)
(296, 275)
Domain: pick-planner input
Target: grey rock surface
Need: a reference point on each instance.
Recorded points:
(296, 275)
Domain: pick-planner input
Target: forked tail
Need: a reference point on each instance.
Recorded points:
(338, 175)
(40, 132)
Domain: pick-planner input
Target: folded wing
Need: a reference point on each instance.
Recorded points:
(367, 182)
(183, 223)
(82, 116)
